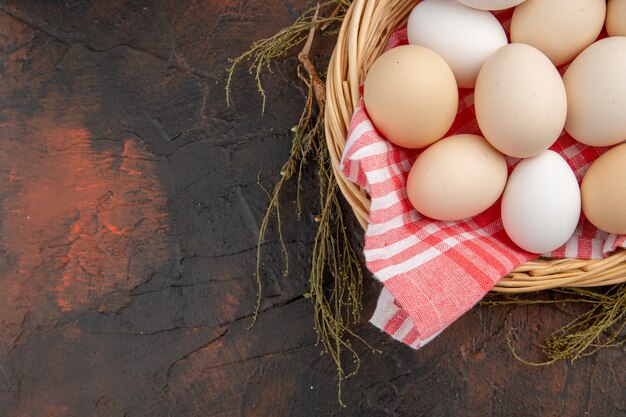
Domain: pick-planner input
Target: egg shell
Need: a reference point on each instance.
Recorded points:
(560, 29)
(491, 4)
(411, 96)
(596, 93)
(520, 101)
(456, 178)
(463, 36)
(604, 191)
(541, 203)
(616, 18)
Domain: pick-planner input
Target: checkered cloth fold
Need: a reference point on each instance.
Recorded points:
(435, 271)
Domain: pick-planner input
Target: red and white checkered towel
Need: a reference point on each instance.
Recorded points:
(435, 271)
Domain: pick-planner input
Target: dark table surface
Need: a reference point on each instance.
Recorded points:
(129, 217)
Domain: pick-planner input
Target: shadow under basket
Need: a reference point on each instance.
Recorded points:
(365, 29)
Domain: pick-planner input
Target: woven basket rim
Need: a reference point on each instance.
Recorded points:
(363, 34)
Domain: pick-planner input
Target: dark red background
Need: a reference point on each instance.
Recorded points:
(129, 213)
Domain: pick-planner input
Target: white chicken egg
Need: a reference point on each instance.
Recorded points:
(491, 4)
(463, 36)
(541, 203)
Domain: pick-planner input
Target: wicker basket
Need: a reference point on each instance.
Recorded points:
(363, 34)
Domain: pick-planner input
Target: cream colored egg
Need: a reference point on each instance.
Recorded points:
(456, 178)
(520, 101)
(616, 18)
(596, 93)
(411, 96)
(560, 29)
(491, 4)
(604, 191)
